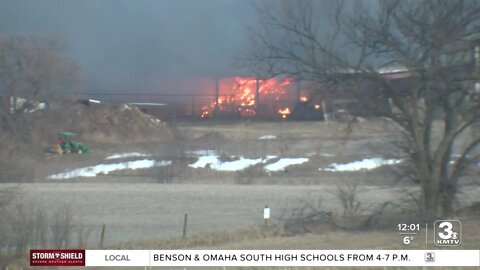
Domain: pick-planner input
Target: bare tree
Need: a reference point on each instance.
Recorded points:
(351, 47)
(36, 69)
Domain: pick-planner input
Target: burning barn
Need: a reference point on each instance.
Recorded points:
(243, 97)
(247, 97)
(202, 98)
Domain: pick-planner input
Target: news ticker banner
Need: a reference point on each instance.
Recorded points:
(220, 258)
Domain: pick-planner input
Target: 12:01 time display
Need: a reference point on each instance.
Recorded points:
(402, 227)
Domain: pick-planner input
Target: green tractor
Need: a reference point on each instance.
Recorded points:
(66, 145)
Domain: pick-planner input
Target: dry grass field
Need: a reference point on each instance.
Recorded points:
(225, 208)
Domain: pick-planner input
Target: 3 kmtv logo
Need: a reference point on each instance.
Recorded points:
(447, 232)
(57, 257)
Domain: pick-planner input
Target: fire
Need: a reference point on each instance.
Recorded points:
(303, 99)
(204, 114)
(317, 106)
(284, 112)
(243, 96)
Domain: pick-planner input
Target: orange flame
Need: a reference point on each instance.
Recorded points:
(284, 112)
(243, 95)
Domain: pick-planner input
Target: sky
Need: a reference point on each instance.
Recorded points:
(138, 45)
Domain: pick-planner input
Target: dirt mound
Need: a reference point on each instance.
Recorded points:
(93, 124)
(25, 138)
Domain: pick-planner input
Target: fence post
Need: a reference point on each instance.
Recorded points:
(102, 236)
(185, 225)
(266, 215)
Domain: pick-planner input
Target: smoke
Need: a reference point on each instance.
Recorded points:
(139, 45)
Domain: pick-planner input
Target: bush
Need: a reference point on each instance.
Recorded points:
(308, 218)
(25, 227)
(347, 194)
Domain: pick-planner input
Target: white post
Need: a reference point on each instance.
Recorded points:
(266, 215)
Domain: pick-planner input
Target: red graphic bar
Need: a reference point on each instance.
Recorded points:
(57, 257)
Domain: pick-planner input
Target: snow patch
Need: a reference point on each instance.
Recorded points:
(203, 161)
(268, 158)
(203, 152)
(155, 120)
(361, 165)
(267, 137)
(236, 165)
(210, 159)
(282, 163)
(213, 162)
(93, 171)
(127, 155)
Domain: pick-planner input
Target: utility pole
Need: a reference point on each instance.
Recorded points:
(257, 93)
(217, 92)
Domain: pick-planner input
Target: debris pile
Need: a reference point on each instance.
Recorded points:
(98, 123)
